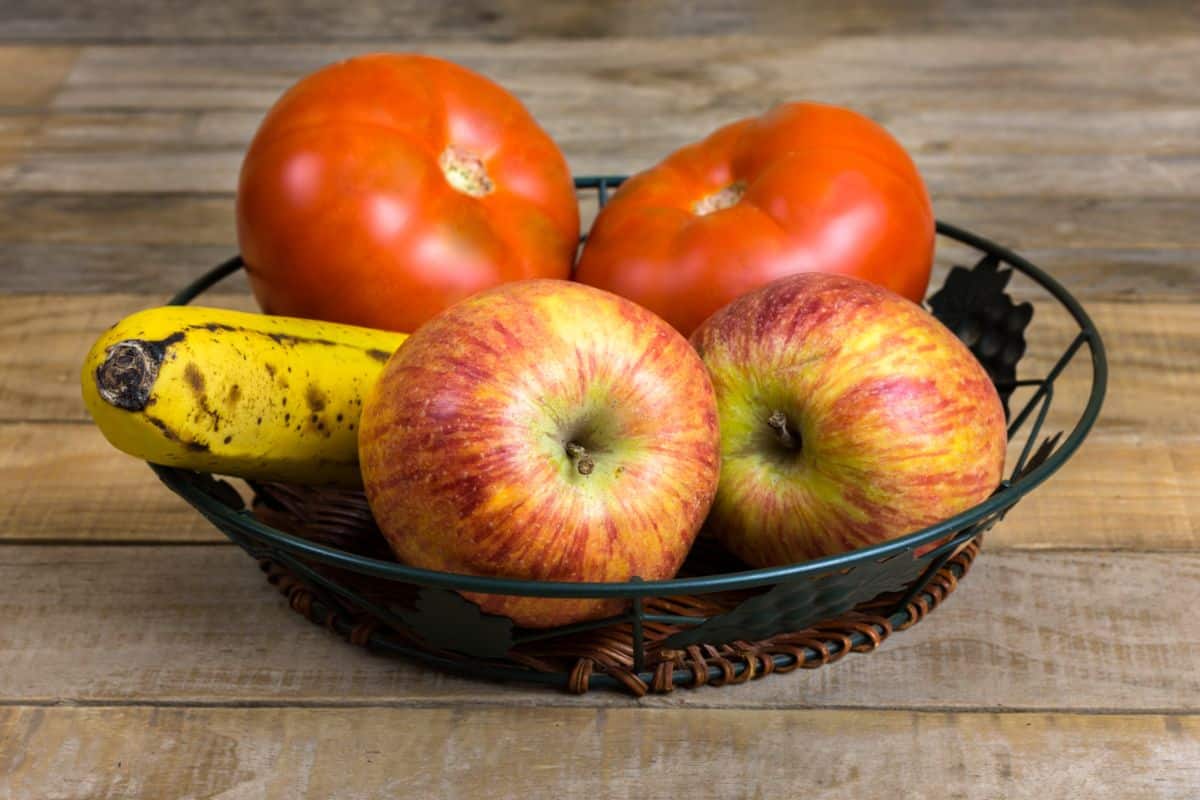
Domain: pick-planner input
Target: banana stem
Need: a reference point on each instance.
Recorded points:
(127, 376)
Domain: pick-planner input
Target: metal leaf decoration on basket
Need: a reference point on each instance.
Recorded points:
(448, 621)
(973, 304)
(797, 604)
(216, 488)
(1038, 458)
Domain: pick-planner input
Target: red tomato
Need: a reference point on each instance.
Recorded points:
(805, 187)
(382, 189)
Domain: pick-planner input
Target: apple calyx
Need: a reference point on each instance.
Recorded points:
(778, 422)
(466, 172)
(580, 458)
(720, 199)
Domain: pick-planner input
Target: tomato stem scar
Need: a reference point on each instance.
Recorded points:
(720, 199)
(465, 172)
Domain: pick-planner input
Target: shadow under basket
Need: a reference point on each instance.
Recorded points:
(716, 623)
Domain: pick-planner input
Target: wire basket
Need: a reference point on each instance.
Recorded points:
(717, 623)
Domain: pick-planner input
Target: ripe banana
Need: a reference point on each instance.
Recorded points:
(248, 395)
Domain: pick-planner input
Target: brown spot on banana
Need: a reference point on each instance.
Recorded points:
(381, 356)
(195, 379)
(162, 426)
(315, 398)
(194, 446)
(291, 340)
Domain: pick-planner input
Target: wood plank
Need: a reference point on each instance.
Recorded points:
(258, 20)
(985, 176)
(1165, 131)
(30, 76)
(64, 483)
(1131, 486)
(1143, 248)
(703, 80)
(515, 753)
(125, 219)
(1126, 492)
(1028, 221)
(1154, 356)
(1067, 130)
(199, 625)
(155, 270)
(17, 133)
(44, 339)
(569, 86)
(129, 128)
(1117, 492)
(1158, 275)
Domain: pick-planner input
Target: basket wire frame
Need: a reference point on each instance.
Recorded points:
(334, 602)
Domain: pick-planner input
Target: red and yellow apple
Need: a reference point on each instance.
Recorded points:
(848, 414)
(543, 430)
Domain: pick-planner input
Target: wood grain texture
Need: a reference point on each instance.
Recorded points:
(695, 80)
(1163, 131)
(127, 753)
(1027, 221)
(29, 76)
(200, 625)
(1132, 485)
(133, 667)
(1131, 275)
(159, 270)
(1127, 248)
(258, 20)
(43, 342)
(65, 482)
(1121, 492)
(586, 92)
(591, 150)
(1153, 351)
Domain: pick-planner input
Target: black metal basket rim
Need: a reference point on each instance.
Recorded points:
(177, 480)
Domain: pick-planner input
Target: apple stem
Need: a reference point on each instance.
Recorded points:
(579, 455)
(778, 423)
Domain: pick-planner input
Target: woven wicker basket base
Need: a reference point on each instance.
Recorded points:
(343, 520)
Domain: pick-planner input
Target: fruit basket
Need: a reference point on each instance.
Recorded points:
(717, 622)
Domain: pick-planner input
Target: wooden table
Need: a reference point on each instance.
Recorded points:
(143, 656)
